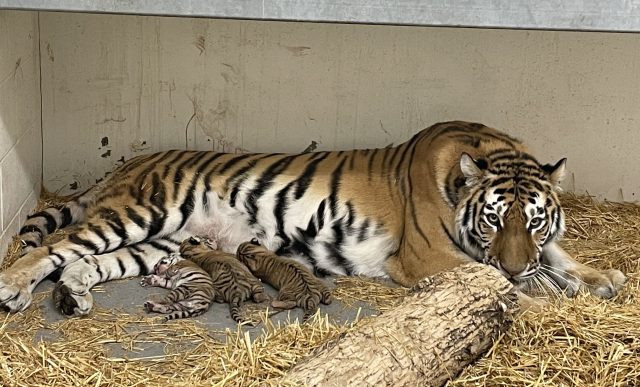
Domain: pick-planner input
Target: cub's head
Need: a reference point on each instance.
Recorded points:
(195, 243)
(248, 252)
(510, 210)
(165, 263)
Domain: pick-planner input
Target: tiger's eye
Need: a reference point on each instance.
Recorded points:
(493, 219)
(535, 222)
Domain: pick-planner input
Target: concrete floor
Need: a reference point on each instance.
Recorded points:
(128, 296)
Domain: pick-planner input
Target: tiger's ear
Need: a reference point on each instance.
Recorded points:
(472, 169)
(556, 173)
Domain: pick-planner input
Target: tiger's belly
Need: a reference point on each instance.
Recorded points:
(332, 249)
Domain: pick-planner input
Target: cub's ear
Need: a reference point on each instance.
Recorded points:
(472, 169)
(556, 173)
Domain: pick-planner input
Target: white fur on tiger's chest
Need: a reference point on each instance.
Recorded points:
(224, 224)
(229, 226)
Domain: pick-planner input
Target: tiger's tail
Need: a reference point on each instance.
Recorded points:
(184, 314)
(234, 309)
(309, 304)
(326, 296)
(44, 222)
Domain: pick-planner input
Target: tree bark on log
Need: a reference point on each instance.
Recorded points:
(447, 322)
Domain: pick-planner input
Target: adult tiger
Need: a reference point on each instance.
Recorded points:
(454, 192)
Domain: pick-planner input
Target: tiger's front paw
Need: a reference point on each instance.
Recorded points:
(70, 301)
(605, 284)
(15, 292)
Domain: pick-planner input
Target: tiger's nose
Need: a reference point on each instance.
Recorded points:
(514, 270)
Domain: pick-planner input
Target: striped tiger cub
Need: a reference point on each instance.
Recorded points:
(454, 192)
(232, 281)
(192, 289)
(296, 284)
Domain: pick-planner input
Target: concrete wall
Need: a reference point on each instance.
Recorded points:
(20, 132)
(116, 86)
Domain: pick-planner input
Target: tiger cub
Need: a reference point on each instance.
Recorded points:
(192, 289)
(297, 285)
(232, 281)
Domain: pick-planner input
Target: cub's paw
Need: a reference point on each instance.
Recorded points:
(15, 295)
(154, 306)
(149, 280)
(70, 301)
(605, 284)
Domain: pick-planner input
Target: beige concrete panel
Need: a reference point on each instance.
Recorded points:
(153, 83)
(20, 131)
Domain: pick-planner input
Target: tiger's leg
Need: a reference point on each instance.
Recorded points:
(572, 275)
(43, 223)
(71, 294)
(285, 300)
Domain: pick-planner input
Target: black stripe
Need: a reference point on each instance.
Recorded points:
(169, 165)
(263, 184)
(411, 199)
(363, 230)
(180, 172)
(76, 239)
(30, 228)
(187, 206)
(304, 181)
(453, 241)
(66, 217)
(335, 187)
(135, 247)
(135, 217)
(160, 246)
(98, 231)
(98, 270)
(60, 257)
(144, 270)
(122, 267)
(372, 156)
(50, 222)
(320, 214)
(233, 161)
(278, 212)
(30, 243)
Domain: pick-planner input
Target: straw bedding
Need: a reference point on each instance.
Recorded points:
(583, 341)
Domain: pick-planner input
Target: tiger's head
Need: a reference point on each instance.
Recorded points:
(510, 210)
(248, 252)
(165, 263)
(196, 243)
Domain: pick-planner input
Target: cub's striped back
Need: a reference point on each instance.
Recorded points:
(192, 290)
(232, 281)
(296, 284)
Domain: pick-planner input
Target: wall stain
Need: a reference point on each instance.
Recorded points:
(104, 141)
(110, 119)
(106, 154)
(139, 146)
(200, 44)
(50, 53)
(298, 50)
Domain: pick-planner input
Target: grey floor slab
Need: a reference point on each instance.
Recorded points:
(128, 296)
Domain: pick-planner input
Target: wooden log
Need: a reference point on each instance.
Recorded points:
(447, 322)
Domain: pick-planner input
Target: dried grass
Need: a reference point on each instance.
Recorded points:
(583, 341)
